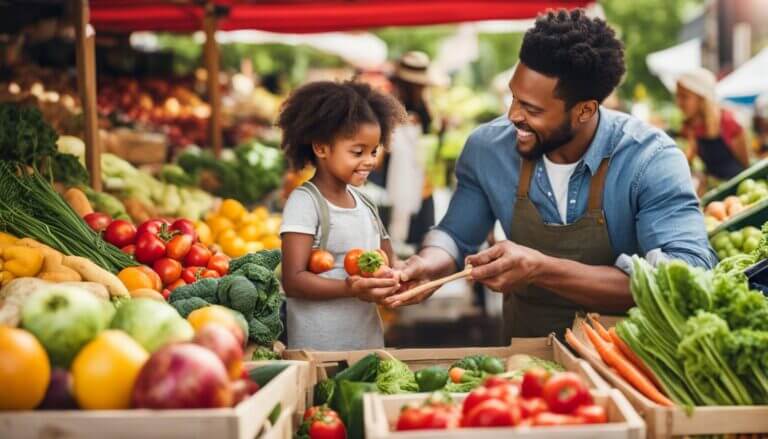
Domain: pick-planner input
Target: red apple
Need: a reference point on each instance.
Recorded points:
(242, 389)
(182, 376)
(225, 345)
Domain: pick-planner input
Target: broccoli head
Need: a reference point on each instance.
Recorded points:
(268, 259)
(186, 306)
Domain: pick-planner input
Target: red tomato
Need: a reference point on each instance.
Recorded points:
(166, 293)
(178, 247)
(220, 263)
(320, 261)
(548, 419)
(149, 248)
(168, 269)
(507, 393)
(533, 406)
(564, 392)
(209, 274)
(175, 284)
(324, 411)
(533, 383)
(129, 249)
(198, 256)
(97, 221)
(152, 226)
(592, 414)
(327, 427)
(424, 418)
(474, 398)
(120, 233)
(192, 274)
(185, 227)
(350, 261)
(492, 413)
(494, 381)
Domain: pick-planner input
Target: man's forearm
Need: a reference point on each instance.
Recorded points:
(603, 288)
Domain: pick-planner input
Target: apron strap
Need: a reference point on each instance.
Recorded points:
(526, 170)
(323, 214)
(596, 187)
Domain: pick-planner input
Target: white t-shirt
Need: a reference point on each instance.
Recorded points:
(335, 324)
(559, 176)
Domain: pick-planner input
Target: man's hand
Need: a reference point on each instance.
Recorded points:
(505, 266)
(374, 289)
(411, 273)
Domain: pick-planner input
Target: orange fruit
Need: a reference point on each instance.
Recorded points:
(232, 209)
(135, 277)
(24, 370)
(216, 314)
(105, 370)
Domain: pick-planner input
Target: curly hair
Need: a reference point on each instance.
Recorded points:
(320, 112)
(582, 53)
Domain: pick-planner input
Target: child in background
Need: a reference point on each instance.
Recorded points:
(339, 128)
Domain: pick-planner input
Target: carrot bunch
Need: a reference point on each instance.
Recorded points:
(616, 354)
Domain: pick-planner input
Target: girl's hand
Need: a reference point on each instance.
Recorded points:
(373, 289)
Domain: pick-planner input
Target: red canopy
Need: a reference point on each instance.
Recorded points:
(305, 16)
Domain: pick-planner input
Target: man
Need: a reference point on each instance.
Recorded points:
(577, 188)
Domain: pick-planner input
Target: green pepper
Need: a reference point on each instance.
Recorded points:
(348, 403)
(432, 378)
(492, 365)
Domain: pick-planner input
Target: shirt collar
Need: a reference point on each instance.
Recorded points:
(600, 147)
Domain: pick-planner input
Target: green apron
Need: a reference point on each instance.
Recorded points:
(532, 311)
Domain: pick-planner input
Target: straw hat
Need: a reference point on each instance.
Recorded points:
(700, 81)
(414, 67)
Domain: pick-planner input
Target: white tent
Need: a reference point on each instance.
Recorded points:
(670, 63)
(744, 84)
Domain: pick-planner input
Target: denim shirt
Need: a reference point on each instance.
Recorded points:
(650, 206)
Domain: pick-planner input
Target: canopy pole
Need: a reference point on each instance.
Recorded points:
(86, 84)
(211, 50)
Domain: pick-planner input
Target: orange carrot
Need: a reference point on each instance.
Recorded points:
(594, 320)
(574, 342)
(625, 368)
(632, 357)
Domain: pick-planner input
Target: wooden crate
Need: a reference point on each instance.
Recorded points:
(283, 427)
(664, 422)
(381, 412)
(325, 364)
(305, 379)
(244, 421)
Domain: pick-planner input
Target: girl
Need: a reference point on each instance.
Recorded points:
(339, 128)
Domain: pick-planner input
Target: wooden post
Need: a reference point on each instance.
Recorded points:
(211, 50)
(86, 84)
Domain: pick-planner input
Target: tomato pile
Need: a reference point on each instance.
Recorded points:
(540, 399)
(170, 251)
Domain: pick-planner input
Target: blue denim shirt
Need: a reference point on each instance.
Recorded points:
(650, 206)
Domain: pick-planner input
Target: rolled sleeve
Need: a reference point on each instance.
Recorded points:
(668, 213)
(469, 217)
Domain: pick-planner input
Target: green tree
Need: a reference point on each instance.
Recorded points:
(645, 26)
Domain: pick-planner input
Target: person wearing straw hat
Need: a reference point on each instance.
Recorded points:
(577, 188)
(712, 132)
(413, 211)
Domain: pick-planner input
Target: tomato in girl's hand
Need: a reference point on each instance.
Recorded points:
(320, 261)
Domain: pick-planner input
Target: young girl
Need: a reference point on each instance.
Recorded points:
(339, 128)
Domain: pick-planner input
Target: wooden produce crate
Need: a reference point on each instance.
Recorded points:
(244, 421)
(381, 412)
(139, 148)
(757, 170)
(282, 428)
(305, 379)
(325, 364)
(665, 422)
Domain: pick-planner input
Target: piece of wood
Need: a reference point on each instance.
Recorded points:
(437, 283)
(211, 52)
(243, 421)
(86, 84)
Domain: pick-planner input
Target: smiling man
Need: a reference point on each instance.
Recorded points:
(576, 187)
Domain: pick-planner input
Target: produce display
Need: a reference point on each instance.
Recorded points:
(238, 231)
(74, 349)
(389, 376)
(748, 192)
(251, 289)
(146, 197)
(703, 335)
(260, 165)
(738, 242)
(540, 400)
